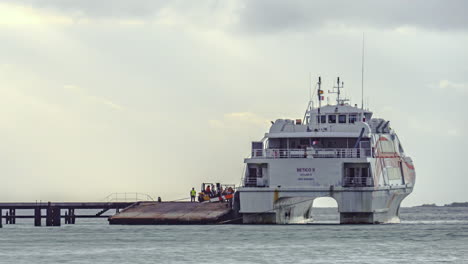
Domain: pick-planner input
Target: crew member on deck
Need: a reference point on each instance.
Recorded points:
(213, 191)
(193, 193)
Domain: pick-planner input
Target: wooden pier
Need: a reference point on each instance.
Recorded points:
(56, 211)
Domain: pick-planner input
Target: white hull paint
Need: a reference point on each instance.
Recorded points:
(338, 151)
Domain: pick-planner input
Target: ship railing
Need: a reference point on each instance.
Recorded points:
(312, 153)
(358, 182)
(250, 182)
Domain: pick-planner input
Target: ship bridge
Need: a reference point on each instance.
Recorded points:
(334, 131)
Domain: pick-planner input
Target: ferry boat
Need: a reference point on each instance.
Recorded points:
(339, 151)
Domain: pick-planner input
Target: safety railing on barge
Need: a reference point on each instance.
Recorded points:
(128, 197)
(312, 153)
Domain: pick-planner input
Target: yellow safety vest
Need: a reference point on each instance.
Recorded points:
(193, 192)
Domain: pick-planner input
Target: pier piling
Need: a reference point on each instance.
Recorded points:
(53, 216)
(49, 216)
(13, 216)
(37, 217)
(71, 215)
(10, 217)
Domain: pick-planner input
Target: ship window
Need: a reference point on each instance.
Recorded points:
(367, 116)
(331, 119)
(323, 119)
(365, 172)
(304, 141)
(387, 146)
(393, 173)
(352, 118)
(342, 119)
(292, 143)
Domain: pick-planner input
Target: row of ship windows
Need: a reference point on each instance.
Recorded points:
(333, 119)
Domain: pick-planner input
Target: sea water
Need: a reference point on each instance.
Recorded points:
(425, 235)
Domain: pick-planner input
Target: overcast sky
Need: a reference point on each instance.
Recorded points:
(158, 96)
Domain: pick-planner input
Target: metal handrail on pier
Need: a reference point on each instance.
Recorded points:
(128, 197)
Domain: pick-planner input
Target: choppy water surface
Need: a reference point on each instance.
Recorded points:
(426, 235)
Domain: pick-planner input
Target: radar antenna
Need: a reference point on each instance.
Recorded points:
(338, 88)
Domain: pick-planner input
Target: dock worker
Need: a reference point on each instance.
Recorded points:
(213, 191)
(193, 193)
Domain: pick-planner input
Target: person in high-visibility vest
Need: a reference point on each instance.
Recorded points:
(193, 193)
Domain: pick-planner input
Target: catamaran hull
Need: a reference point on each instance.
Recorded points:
(294, 206)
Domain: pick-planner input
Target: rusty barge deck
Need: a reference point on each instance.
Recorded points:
(177, 213)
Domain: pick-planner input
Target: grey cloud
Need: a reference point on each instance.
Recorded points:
(102, 8)
(277, 15)
(114, 8)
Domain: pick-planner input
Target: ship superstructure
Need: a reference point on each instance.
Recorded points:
(337, 151)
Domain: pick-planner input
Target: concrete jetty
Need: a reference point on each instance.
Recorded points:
(154, 213)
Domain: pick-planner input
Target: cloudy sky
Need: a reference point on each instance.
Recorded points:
(157, 96)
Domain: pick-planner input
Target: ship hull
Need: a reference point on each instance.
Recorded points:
(294, 205)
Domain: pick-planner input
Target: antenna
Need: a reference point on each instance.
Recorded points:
(362, 73)
(338, 92)
(338, 87)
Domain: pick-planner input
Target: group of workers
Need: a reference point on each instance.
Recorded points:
(209, 192)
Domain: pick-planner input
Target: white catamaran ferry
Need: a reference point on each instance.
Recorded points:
(337, 151)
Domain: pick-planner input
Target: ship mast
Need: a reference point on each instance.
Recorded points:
(338, 88)
(319, 93)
